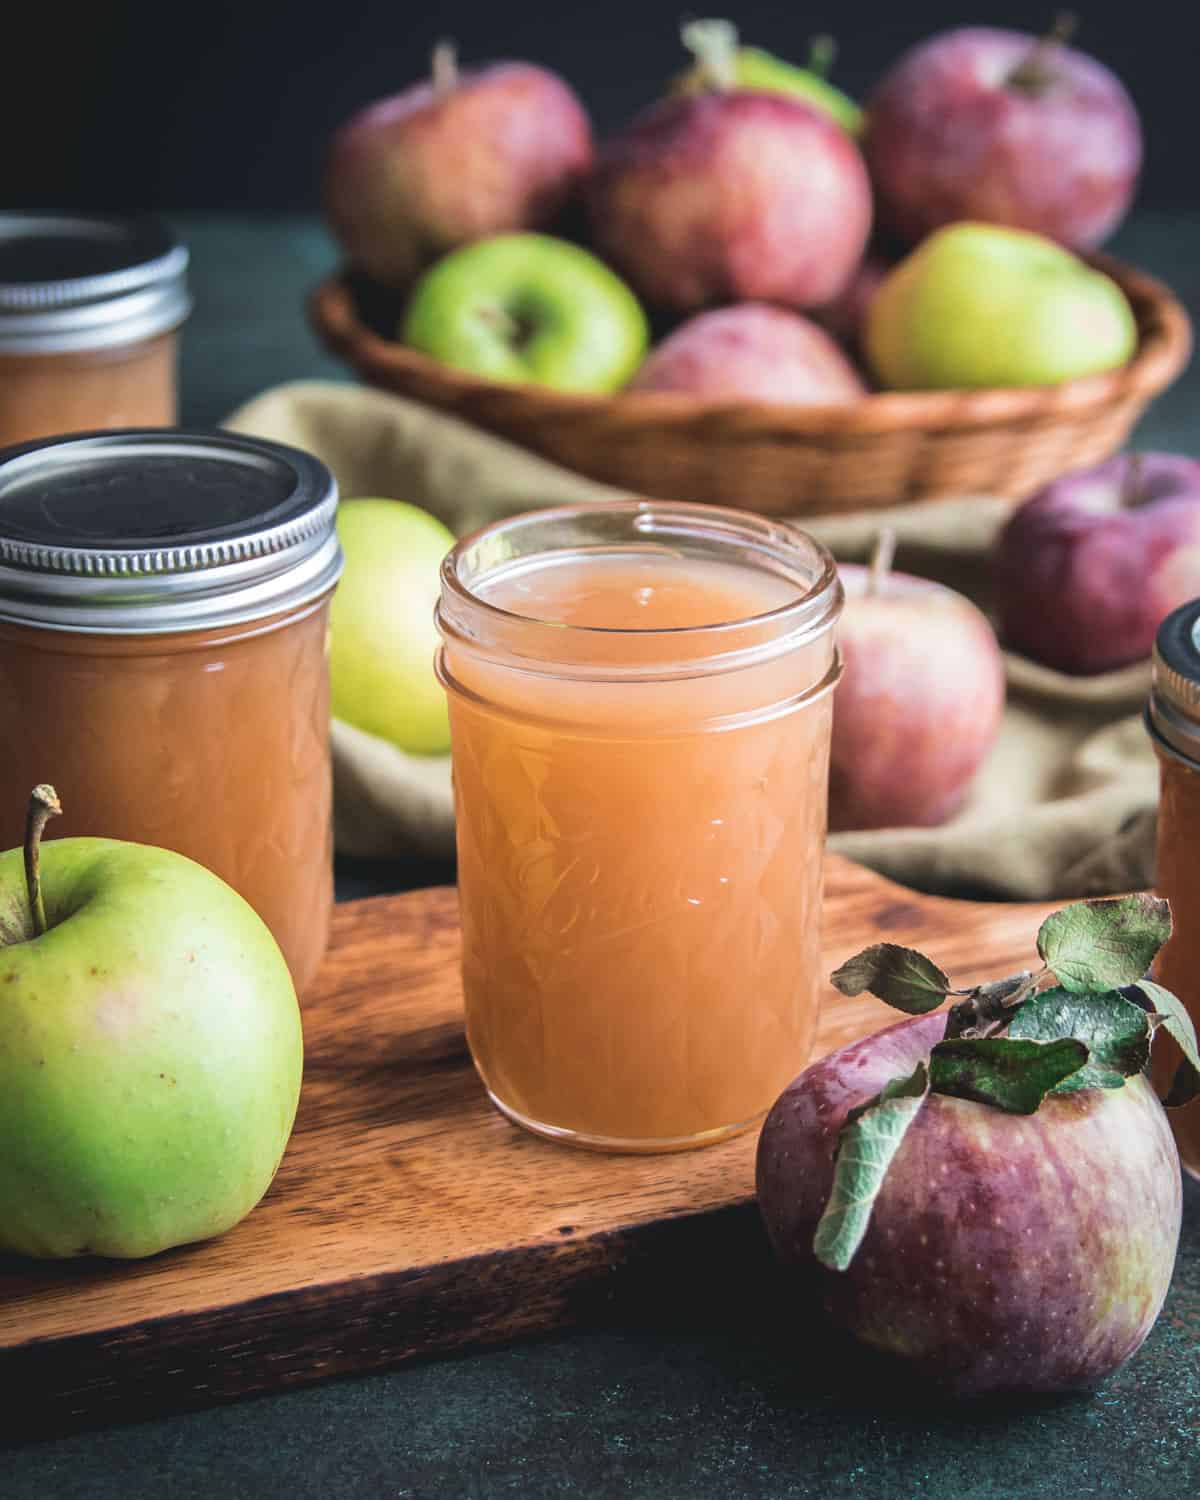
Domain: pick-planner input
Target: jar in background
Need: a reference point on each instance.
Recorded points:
(640, 708)
(1173, 718)
(164, 604)
(89, 312)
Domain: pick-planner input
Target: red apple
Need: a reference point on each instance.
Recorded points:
(920, 703)
(451, 160)
(732, 196)
(1087, 569)
(986, 124)
(754, 352)
(1005, 1252)
(846, 315)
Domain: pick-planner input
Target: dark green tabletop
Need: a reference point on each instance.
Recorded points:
(720, 1399)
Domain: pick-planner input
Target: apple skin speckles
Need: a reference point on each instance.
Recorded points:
(1005, 1253)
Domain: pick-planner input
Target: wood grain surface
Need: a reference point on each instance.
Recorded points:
(408, 1218)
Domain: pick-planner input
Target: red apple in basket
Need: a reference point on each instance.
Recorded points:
(755, 352)
(845, 317)
(920, 703)
(453, 160)
(987, 124)
(1089, 567)
(732, 196)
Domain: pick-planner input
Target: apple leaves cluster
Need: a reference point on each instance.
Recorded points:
(1085, 1020)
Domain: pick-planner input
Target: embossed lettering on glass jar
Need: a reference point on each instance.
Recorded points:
(1173, 718)
(89, 312)
(164, 604)
(640, 700)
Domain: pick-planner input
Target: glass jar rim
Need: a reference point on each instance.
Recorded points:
(556, 647)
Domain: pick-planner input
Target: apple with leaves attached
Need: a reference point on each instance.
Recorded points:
(991, 1194)
(150, 1048)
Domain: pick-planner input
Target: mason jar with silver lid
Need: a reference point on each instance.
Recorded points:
(1173, 719)
(164, 606)
(90, 307)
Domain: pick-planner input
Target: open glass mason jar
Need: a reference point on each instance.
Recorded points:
(164, 603)
(89, 312)
(1173, 718)
(640, 707)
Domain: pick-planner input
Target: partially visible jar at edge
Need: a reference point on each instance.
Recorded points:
(192, 709)
(1173, 718)
(90, 309)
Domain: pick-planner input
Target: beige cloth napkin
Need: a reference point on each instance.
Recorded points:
(1063, 807)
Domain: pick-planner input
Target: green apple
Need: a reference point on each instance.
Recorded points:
(977, 305)
(150, 1049)
(528, 307)
(764, 73)
(382, 635)
(721, 62)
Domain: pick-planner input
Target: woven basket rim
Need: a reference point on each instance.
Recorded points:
(1164, 346)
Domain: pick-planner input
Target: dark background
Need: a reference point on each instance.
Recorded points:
(176, 106)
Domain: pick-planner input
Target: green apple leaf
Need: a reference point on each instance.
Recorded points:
(1101, 945)
(901, 976)
(1010, 1075)
(869, 1140)
(1171, 1015)
(1114, 1030)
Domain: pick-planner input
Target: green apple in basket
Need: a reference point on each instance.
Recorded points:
(528, 307)
(150, 1048)
(719, 58)
(978, 305)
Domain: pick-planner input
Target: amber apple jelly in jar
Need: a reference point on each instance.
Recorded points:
(640, 702)
(90, 309)
(1173, 718)
(164, 602)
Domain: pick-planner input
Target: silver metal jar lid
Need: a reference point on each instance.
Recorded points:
(1173, 712)
(77, 283)
(156, 531)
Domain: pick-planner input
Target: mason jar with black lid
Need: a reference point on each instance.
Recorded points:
(89, 311)
(164, 605)
(1173, 719)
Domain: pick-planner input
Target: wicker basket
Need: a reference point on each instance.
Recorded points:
(782, 460)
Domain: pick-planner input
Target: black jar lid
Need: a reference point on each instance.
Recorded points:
(71, 283)
(147, 532)
(1173, 712)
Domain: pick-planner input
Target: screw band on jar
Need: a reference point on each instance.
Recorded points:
(203, 530)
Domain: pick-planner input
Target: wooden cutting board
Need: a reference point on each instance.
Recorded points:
(408, 1218)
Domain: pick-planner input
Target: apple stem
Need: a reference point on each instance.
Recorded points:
(444, 68)
(714, 45)
(1131, 487)
(822, 54)
(882, 559)
(43, 805)
(502, 321)
(988, 1008)
(1031, 74)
